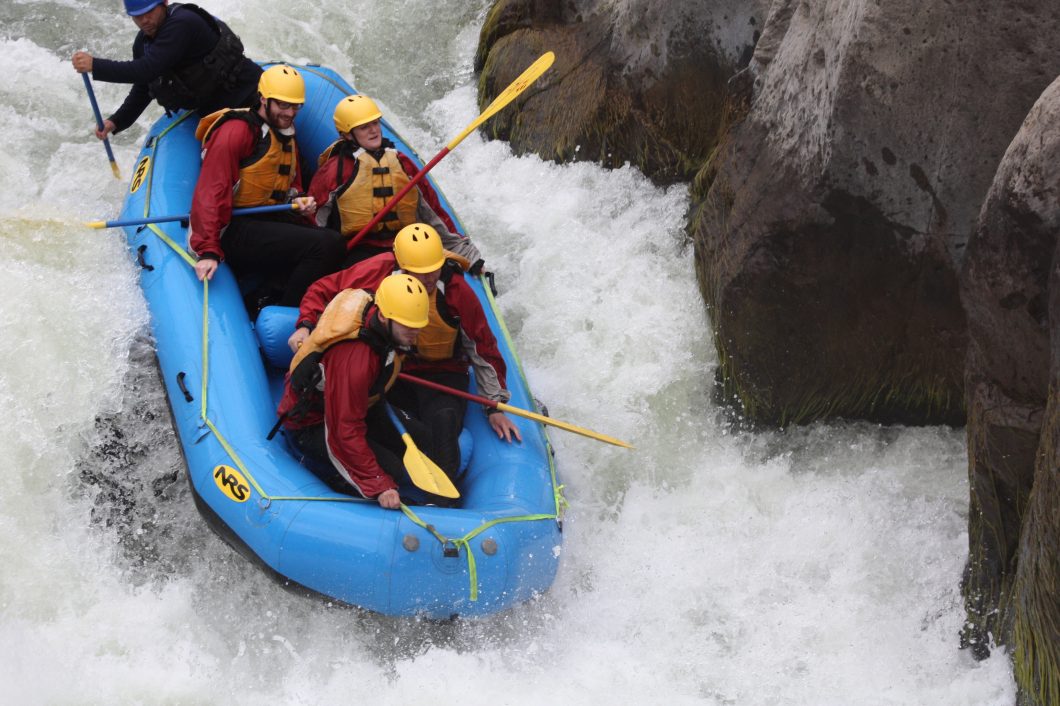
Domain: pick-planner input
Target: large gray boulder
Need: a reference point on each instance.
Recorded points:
(829, 227)
(1011, 292)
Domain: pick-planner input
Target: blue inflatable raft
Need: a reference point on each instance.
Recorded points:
(500, 548)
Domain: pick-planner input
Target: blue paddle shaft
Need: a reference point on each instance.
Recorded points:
(185, 216)
(99, 116)
(395, 419)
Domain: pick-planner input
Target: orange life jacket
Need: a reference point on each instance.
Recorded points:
(343, 320)
(267, 174)
(439, 338)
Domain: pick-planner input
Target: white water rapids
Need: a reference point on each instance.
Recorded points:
(711, 566)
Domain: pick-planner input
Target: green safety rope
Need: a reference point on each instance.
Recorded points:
(460, 542)
(464, 542)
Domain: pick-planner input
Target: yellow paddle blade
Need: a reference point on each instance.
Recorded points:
(114, 168)
(96, 224)
(425, 473)
(519, 412)
(532, 73)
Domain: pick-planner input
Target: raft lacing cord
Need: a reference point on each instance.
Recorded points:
(461, 542)
(464, 542)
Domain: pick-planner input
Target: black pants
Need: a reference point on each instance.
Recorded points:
(389, 449)
(443, 414)
(295, 254)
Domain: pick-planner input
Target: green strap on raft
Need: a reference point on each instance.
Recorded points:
(464, 542)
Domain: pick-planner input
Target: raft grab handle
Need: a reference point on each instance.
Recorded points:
(184, 388)
(141, 261)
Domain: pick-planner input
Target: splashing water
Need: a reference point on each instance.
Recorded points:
(710, 566)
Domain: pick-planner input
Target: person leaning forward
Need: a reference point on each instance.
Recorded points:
(250, 158)
(358, 175)
(354, 356)
(183, 57)
(457, 336)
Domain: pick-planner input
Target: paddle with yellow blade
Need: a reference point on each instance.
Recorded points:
(532, 73)
(424, 472)
(517, 411)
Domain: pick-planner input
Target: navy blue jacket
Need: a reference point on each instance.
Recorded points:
(184, 38)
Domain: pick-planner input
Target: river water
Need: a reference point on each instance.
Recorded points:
(711, 566)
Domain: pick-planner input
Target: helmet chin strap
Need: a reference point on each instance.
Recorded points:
(268, 113)
(264, 109)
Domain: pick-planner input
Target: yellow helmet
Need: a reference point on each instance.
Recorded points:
(418, 248)
(354, 111)
(402, 298)
(283, 83)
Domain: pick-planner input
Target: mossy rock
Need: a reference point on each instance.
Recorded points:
(590, 106)
(1011, 291)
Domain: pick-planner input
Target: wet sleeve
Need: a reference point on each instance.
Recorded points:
(349, 370)
(132, 108)
(478, 342)
(366, 274)
(321, 186)
(211, 203)
(170, 49)
(139, 96)
(317, 297)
